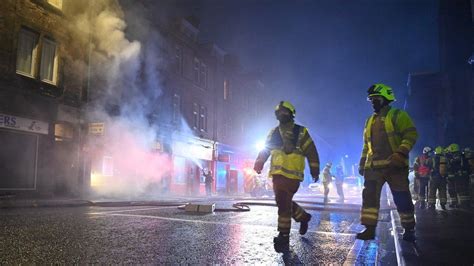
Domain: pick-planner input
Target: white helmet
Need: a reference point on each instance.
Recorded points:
(426, 150)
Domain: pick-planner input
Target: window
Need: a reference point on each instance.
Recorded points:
(56, 3)
(63, 132)
(27, 61)
(178, 59)
(49, 59)
(195, 115)
(107, 166)
(26, 54)
(203, 118)
(176, 108)
(226, 90)
(203, 77)
(196, 70)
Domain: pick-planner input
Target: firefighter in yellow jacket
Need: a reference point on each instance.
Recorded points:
(288, 144)
(389, 135)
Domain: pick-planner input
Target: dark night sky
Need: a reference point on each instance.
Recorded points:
(323, 55)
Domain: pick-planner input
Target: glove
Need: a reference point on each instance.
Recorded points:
(361, 166)
(397, 160)
(361, 170)
(315, 174)
(258, 166)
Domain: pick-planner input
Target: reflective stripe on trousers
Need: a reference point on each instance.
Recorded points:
(284, 189)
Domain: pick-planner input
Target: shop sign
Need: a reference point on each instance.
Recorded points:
(96, 129)
(23, 124)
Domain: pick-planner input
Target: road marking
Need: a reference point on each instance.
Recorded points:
(209, 222)
(133, 210)
(353, 254)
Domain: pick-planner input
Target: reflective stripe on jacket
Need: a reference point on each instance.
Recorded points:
(290, 162)
(401, 133)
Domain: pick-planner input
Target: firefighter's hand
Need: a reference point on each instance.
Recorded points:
(258, 166)
(315, 174)
(397, 160)
(361, 170)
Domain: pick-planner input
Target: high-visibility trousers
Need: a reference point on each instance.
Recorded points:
(437, 184)
(284, 189)
(397, 179)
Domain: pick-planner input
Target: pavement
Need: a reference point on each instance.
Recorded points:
(444, 237)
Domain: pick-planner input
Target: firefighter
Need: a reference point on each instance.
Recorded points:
(469, 156)
(288, 144)
(389, 135)
(438, 180)
(327, 180)
(340, 182)
(458, 178)
(208, 179)
(422, 167)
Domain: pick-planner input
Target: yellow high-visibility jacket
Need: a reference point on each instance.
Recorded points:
(288, 146)
(401, 133)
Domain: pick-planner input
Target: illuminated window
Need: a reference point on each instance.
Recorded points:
(26, 54)
(195, 115)
(63, 132)
(28, 61)
(226, 90)
(56, 3)
(176, 108)
(107, 166)
(49, 65)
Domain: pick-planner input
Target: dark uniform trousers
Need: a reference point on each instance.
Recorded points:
(284, 189)
(397, 179)
(458, 188)
(423, 187)
(437, 183)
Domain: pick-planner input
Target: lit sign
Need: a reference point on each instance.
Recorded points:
(23, 124)
(96, 129)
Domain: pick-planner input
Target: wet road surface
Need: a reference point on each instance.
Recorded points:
(168, 235)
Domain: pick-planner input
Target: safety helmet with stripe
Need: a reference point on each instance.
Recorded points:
(287, 105)
(383, 90)
(439, 150)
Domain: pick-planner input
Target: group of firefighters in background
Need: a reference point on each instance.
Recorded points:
(450, 168)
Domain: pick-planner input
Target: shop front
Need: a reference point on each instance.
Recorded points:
(191, 155)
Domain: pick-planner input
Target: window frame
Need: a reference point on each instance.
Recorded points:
(54, 77)
(58, 6)
(34, 52)
(195, 116)
(196, 70)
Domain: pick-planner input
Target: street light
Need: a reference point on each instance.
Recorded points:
(260, 145)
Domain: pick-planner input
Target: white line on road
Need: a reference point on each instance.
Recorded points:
(208, 222)
(351, 257)
(134, 210)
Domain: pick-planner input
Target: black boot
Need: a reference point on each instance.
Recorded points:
(367, 234)
(304, 225)
(281, 243)
(443, 206)
(409, 235)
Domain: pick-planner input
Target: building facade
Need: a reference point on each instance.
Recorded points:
(40, 99)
